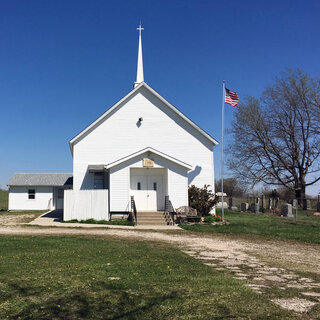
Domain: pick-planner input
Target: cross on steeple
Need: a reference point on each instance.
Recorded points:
(140, 77)
(139, 28)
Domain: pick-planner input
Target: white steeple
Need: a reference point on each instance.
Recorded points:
(140, 62)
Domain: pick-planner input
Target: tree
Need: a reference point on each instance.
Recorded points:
(231, 187)
(276, 139)
(201, 199)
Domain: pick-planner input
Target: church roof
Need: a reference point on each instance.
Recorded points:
(110, 110)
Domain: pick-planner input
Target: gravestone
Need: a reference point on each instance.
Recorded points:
(219, 203)
(307, 204)
(254, 207)
(294, 203)
(286, 210)
(231, 204)
(263, 202)
(244, 206)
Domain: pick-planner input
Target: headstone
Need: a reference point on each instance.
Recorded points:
(286, 210)
(294, 203)
(254, 208)
(318, 206)
(263, 202)
(307, 204)
(219, 203)
(244, 206)
(231, 204)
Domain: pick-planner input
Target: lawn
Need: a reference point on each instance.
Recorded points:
(92, 278)
(3, 200)
(307, 228)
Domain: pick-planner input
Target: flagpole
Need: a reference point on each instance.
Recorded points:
(222, 149)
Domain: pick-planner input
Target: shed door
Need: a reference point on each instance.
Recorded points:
(60, 196)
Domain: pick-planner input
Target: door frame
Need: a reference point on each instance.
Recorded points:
(151, 172)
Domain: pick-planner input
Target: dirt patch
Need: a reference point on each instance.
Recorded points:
(12, 219)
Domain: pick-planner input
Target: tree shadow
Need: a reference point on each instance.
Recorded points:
(101, 301)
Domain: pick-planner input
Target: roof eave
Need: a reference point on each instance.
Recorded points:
(149, 149)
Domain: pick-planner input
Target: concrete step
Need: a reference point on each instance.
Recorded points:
(152, 218)
(152, 223)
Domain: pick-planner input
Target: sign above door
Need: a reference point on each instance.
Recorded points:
(147, 162)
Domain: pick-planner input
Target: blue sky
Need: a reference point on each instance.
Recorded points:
(63, 63)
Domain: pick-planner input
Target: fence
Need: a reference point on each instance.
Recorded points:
(85, 204)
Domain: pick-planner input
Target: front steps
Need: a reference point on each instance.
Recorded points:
(154, 218)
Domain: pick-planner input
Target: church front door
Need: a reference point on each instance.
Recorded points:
(147, 189)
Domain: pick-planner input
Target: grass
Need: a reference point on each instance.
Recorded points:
(4, 199)
(69, 278)
(93, 221)
(307, 229)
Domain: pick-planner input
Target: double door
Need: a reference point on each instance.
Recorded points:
(147, 190)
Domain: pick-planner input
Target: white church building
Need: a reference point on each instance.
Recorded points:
(141, 154)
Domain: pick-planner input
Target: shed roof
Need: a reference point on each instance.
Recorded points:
(41, 179)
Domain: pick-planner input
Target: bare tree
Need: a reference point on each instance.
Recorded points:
(276, 139)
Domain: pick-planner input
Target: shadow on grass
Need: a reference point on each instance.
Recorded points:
(101, 301)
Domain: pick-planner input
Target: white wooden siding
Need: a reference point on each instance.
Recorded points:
(120, 182)
(85, 204)
(18, 198)
(119, 135)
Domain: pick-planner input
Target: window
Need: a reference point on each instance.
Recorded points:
(98, 180)
(155, 186)
(139, 186)
(31, 193)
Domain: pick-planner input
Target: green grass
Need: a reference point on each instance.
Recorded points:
(93, 221)
(4, 200)
(307, 228)
(67, 278)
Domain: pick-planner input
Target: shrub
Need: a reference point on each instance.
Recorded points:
(201, 199)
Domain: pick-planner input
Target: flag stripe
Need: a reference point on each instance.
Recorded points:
(231, 98)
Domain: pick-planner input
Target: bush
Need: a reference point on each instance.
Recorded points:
(201, 199)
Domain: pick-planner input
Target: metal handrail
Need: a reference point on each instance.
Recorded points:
(134, 210)
(169, 208)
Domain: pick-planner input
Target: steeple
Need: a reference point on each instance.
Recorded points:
(140, 62)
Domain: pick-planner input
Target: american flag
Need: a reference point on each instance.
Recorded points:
(231, 98)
